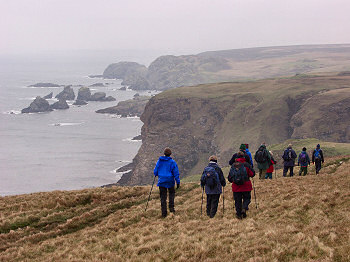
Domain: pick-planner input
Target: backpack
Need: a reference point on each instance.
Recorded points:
(317, 154)
(261, 156)
(302, 157)
(287, 155)
(238, 174)
(210, 177)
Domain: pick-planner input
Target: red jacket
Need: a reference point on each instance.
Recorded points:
(270, 169)
(247, 186)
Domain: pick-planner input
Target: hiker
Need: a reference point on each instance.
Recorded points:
(242, 149)
(167, 171)
(249, 154)
(213, 180)
(239, 175)
(303, 161)
(269, 171)
(289, 157)
(263, 158)
(317, 158)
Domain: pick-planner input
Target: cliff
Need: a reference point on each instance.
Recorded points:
(170, 71)
(216, 118)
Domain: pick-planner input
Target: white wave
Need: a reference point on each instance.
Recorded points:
(27, 98)
(131, 140)
(118, 175)
(12, 112)
(66, 124)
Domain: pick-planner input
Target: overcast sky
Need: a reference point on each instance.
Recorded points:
(28, 26)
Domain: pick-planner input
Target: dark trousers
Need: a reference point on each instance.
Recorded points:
(163, 196)
(318, 165)
(303, 169)
(212, 204)
(285, 170)
(242, 200)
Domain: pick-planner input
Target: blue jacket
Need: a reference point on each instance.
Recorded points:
(250, 156)
(220, 180)
(167, 171)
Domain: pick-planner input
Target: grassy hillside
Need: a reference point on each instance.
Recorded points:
(298, 219)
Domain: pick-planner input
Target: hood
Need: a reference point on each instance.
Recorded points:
(165, 158)
(247, 150)
(262, 147)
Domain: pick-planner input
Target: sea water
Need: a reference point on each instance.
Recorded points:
(64, 149)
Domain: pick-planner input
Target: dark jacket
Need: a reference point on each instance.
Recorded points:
(235, 156)
(313, 155)
(167, 171)
(247, 186)
(306, 162)
(289, 162)
(265, 165)
(220, 180)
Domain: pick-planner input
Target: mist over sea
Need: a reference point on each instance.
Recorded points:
(64, 149)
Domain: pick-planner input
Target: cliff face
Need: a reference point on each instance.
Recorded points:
(216, 118)
(170, 71)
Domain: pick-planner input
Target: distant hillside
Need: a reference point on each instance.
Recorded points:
(298, 219)
(216, 118)
(229, 65)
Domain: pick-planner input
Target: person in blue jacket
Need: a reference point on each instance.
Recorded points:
(167, 171)
(249, 154)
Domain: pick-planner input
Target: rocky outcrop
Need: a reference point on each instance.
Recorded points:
(59, 105)
(133, 74)
(84, 94)
(132, 107)
(97, 85)
(66, 94)
(101, 96)
(49, 96)
(216, 118)
(38, 105)
(80, 103)
(44, 85)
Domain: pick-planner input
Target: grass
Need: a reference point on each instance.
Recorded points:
(299, 219)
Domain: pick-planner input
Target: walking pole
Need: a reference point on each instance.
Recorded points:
(275, 172)
(256, 204)
(202, 201)
(149, 196)
(223, 201)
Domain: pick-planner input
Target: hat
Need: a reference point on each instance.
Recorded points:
(318, 146)
(167, 151)
(213, 158)
(242, 147)
(304, 148)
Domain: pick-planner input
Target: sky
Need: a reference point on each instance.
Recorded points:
(187, 26)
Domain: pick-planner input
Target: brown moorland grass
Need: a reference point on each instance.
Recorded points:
(298, 219)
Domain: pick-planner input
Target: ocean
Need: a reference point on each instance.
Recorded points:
(64, 149)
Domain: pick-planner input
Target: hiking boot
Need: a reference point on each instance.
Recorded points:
(172, 210)
(244, 213)
(239, 216)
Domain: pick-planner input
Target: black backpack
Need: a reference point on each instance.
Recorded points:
(238, 174)
(210, 177)
(261, 156)
(287, 155)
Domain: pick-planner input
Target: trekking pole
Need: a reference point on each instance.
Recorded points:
(275, 172)
(149, 196)
(223, 202)
(256, 203)
(202, 201)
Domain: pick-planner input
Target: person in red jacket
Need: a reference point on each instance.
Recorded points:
(239, 176)
(269, 171)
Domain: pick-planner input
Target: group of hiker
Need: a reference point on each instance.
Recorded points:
(242, 169)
